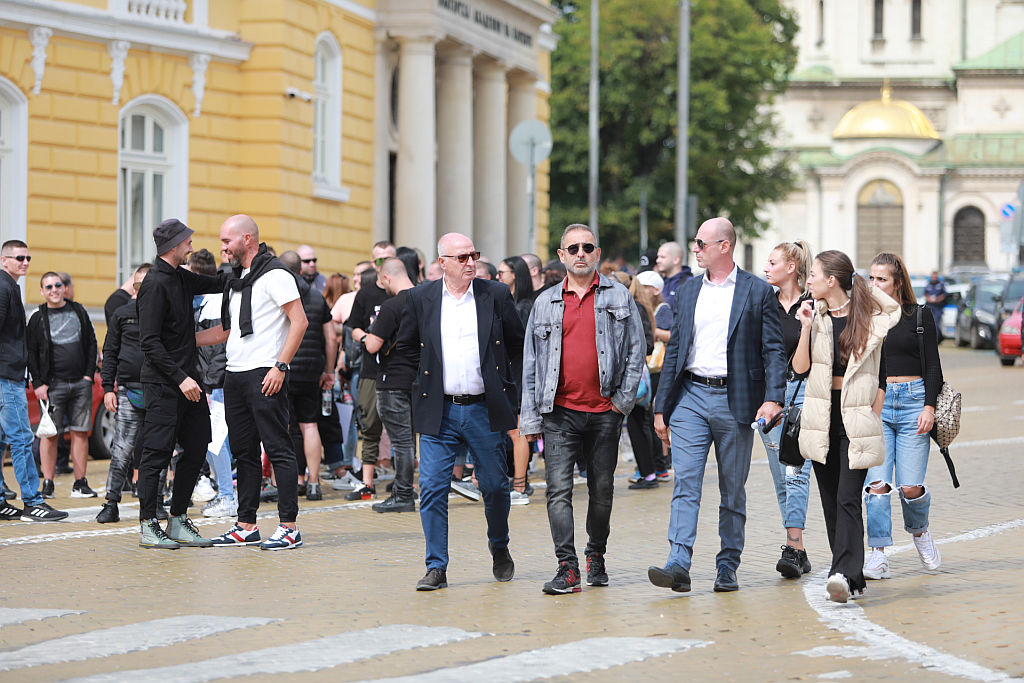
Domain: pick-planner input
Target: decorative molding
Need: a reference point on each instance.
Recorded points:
(40, 37)
(334, 193)
(198, 62)
(118, 50)
(355, 8)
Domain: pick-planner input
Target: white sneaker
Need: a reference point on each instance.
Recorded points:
(877, 566)
(838, 588)
(221, 507)
(519, 498)
(929, 552)
(346, 483)
(382, 473)
(204, 490)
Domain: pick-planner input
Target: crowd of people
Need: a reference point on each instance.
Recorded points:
(254, 379)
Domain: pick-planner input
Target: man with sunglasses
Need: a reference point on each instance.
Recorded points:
(308, 270)
(582, 361)
(467, 339)
(725, 368)
(14, 425)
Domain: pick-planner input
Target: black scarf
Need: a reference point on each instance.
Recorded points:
(262, 263)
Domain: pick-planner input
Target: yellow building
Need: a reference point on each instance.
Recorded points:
(115, 114)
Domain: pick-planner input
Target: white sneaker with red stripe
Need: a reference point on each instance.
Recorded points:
(282, 539)
(237, 536)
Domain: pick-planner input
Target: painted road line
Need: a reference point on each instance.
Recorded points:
(312, 655)
(984, 443)
(972, 535)
(122, 639)
(16, 615)
(592, 654)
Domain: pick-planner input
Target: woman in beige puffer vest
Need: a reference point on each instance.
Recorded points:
(841, 427)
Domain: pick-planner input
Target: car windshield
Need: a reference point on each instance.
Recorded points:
(987, 290)
(1016, 289)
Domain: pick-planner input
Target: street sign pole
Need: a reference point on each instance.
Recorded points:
(530, 143)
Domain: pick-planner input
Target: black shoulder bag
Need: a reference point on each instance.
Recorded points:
(789, 442)
(947, 409)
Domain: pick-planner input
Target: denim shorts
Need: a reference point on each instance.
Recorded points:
(73, 400)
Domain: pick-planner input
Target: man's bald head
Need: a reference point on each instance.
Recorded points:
(394, 276)
(239, 239)
(291, 261)
(723, 230)
(241, 224)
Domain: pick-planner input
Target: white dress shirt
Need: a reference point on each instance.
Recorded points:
(708, 356)
(460, 344)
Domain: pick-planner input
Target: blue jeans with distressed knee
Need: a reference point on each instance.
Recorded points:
(791, 490)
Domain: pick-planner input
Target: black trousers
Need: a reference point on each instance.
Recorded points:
(253, 418)
(171, 418)
(841, 489)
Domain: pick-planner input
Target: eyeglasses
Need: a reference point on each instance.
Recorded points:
(463, 258)
(701, 243)
(55, 285)
(379, 261)
(308, 260)
(504, 272)
(20, 258)
(574, 249)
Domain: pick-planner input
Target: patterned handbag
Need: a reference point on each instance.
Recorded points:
(947, 409)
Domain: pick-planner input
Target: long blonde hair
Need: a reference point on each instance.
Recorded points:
(644, 297)
(799, 254)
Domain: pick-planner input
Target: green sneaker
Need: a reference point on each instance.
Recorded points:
(181, 530)
(153, 536)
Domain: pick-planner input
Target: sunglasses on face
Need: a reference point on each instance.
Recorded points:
(463, 258)
(308, 260)
(20, 258)
(701, 243)
(574, 249)
(55, 285)
(379, 261)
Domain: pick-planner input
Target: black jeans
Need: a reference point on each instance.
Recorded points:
(253, 418)
(170, 418)
(395, 409)
(645, 442)
(593, 437)
(841, 489)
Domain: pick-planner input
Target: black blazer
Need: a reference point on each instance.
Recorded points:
(500, 332)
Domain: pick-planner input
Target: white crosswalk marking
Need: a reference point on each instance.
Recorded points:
(11, 615)
(311, 655)
(592, 654)
(121, 639)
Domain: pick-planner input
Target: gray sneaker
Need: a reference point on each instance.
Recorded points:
(181, 530)
(466, 489)
(153, 536)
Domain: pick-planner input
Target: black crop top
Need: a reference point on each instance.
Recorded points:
(839, 367)
(902, 353)
(791, 326)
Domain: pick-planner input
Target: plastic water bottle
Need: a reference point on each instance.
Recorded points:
(759, 425)
(326, 399)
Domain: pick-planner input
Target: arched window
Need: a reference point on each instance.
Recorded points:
(152, 180)
(13, 161)
(969, 237)
(879, 221)
(327, 119)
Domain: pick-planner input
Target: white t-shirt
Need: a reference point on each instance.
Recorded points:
(270, 323)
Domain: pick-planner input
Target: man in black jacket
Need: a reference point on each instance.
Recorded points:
(176, 408)
(62, 362)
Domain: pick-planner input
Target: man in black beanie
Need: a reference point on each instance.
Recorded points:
(176, 408)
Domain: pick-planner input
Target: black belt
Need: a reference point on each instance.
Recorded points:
(706, 381)
(464, 399)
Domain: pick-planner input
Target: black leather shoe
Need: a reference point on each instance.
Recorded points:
(395, 504)
(673, 576)
(726, 581)
(108, 513)
(434, 579)
(503, 568)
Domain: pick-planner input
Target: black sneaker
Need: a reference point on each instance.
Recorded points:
(395, 504)
(81, 489)
(8, 511)
(302, 489)
(805, 564)
(567, 580)
(108, 513)
(434, 579)
(789, 564)
(313, 491)
(8, 493)
(268, 494)
(161, 513)
(47, 489)
(364, 492)
(644, 484)
(135, 490)
(43, 513)
(596, 574)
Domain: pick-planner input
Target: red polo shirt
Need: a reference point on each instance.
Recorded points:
(579, 382)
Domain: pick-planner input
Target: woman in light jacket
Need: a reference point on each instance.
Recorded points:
(840, 344)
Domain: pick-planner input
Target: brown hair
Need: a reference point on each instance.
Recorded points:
(799, 254)
(854, 337)
(337, 284)
(643, 296)
(904, 293)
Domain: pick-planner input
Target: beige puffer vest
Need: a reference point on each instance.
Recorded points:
(860, 386)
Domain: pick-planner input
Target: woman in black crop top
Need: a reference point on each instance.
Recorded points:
(788, 266)
(911, 387)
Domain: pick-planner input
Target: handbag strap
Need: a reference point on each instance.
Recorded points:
(920, 338)
(944, 451)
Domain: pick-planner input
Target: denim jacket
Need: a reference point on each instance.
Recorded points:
(620, 350)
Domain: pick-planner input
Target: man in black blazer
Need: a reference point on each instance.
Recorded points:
(722, 372)
(469, 339)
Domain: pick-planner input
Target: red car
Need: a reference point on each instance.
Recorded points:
(101, 436)
(1008, 340)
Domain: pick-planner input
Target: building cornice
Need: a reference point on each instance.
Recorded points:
(355, 8)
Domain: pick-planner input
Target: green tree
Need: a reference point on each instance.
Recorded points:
(741, 55)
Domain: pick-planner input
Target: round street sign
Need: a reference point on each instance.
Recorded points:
(530, 142)
(1008, 210)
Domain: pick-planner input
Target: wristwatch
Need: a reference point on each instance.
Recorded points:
(283, 367)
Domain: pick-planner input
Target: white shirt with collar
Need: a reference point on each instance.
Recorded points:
(460, 345)
(708, 356)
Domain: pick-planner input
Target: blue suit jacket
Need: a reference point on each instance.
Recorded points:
(500, 332)
(756, 354)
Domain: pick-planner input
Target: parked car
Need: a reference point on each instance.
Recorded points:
(101, 436)
(1008, 344)
(954, 294)
(1008, 298)
(976, 320)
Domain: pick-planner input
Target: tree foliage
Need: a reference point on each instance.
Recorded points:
(741, 54)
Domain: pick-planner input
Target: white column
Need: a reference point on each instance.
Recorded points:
(416, 182)
(490, 149)
(381, 138)
(454, 141)
(522, 105)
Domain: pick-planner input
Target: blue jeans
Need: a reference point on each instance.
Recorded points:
(702, 417)
(906, 451)
(16, 432)
(791, 490)
(462, 425)
(220, 462)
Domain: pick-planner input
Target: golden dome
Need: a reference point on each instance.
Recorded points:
(885, 118)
